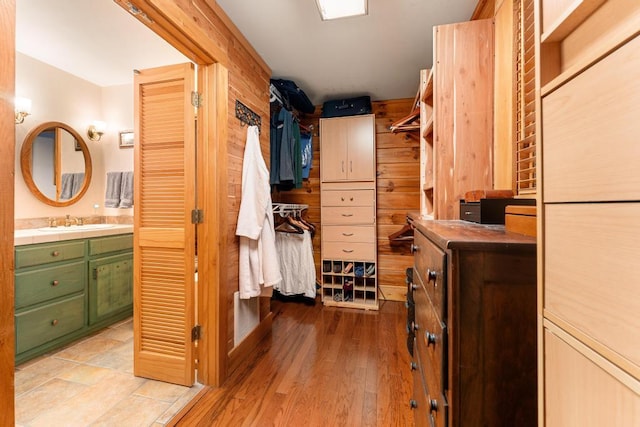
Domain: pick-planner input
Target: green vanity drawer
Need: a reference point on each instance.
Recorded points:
(47, 283)
(27, 256)
(102, 245)
(46, 323)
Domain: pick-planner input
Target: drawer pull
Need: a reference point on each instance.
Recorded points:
(54, 322)
(432, 276)
(414, 326)
(468, 213)
(55, 283)
(347, 234)
(431, 338)
(414, 366)
(342, 199)
(413, 404)
(351, 199)
(55, 253)
(347, 251)
(433, 405)
(414, 248)
(414, 287)
(347, 215)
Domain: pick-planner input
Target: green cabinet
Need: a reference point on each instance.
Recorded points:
(110, 286)
(68, 289)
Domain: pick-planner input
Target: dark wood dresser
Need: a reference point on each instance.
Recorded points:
(474, 354)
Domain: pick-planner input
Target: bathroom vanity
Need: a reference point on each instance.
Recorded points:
(70, 282)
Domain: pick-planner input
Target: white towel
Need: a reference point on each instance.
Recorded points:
(114, 187)
(126, 190)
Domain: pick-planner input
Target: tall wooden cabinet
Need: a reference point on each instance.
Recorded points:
(348, 211)
(456, 117)
(589, 322)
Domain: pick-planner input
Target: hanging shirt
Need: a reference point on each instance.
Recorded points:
(307, 154)
(258, 259)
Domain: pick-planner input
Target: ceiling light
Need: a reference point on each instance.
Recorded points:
(334, 9)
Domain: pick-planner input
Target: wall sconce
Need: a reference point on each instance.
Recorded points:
(22, 109)
(96, 130)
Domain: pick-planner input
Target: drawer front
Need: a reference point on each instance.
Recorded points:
(348, 198)
(103, 245)
(349, 234)
(578, 392)
(419, 402)
(39, 326)
(430, 341)
(591, 131)
(470, 212)
(591, 264)
(44, 284)
(430, 264)
(348, 215)
(349, 251)
(29, 255)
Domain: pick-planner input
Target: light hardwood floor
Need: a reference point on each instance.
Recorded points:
(319, 367)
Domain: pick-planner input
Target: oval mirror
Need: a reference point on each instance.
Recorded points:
(55, 163)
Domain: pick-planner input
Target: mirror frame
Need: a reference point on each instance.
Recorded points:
(27, 173)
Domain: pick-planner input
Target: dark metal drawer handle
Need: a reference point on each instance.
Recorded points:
(414, 248)
(413, 404)
(414, 366)
(432, 276)
(414, 326)
(55, 283)
(54, 322)
(431, 338)
(433, 405)
(55, 253)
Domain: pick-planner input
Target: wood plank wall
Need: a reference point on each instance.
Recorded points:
(398, 172)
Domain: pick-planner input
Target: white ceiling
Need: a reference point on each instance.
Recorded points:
(379, 55)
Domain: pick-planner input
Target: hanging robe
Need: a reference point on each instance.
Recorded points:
(259, 265)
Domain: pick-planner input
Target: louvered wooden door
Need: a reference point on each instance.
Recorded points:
(164, 237)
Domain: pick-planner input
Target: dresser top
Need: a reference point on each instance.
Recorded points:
(464, 235)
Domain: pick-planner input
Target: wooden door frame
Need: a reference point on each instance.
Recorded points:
(169, 21)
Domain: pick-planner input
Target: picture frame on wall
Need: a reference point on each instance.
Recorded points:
(126, 139)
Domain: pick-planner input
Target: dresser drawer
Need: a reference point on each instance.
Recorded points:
(44, 284)
(348, 198)
(419, 402)
(430, 264)
(49, 252)
(431, 340)
(44, 324)
(103, 245)
(349, 251)
(349, 234)
(348, 215)
(592, 264)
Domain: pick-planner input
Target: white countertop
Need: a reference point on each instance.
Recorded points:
(37, 235)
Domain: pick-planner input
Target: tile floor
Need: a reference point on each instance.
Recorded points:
(91, 383)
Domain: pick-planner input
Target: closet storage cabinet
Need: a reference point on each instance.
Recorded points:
(348, 211)
(590, 104)
(474, 354)
(65, 290)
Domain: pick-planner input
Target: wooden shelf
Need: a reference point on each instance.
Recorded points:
(569, 20)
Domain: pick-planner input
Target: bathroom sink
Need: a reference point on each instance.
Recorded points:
(85, 227)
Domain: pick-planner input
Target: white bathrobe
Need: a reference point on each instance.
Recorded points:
(258, 262)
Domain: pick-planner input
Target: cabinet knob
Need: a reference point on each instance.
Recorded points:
(342, 199)
(414, 248)
(414, 326)
(431, 338)
(432, 276)
(414, 286)
(413, 404)
(54, 322)
(414, 366)
(55, 253)
(351, 199)
(433, 405)
(55, 283)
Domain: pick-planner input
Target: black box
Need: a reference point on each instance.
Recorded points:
(347, 107)
(489, 211)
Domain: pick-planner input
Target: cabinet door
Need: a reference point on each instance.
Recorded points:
(333, 153)
(361, 148)
(111, 286)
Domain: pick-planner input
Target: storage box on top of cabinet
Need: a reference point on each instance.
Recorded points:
(348, 211)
